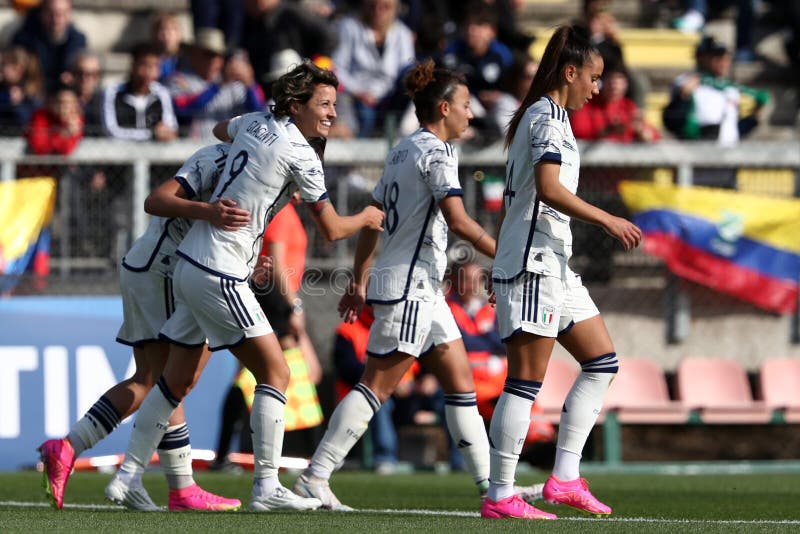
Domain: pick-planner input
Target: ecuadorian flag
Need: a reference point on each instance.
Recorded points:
(745, 245)
(26, 209)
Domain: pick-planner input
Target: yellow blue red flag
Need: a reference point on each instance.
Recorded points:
(742, 244)
(26, 209)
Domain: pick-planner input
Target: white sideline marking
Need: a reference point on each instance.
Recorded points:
(456, 513)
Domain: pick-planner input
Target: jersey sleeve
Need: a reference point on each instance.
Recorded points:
(234, 125)
(439, 171)
(306, 170)
(546, 138)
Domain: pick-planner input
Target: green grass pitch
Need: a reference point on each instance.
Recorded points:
(422, 502)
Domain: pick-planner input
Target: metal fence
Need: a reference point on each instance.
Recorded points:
(103, 184)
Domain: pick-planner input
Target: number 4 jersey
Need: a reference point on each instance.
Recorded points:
(535, 237)
(419, 172)
(269, 160)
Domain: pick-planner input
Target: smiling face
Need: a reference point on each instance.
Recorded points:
(315, 117)
(583, 82)
(457, 113)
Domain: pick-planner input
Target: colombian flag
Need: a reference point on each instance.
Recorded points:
(26, 209)
(742, 244)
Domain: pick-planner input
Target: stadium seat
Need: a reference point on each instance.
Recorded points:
(718, 391)
(779, 382)
(558, 380)
(639, 395)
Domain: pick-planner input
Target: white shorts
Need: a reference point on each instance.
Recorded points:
(208, 305)
(544, 305)
(147, 303)
(411, 326)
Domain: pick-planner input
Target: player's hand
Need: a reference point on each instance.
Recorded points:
(297, 323)
(373, 218)
(624, 231)
(489, 284)
(352, 302)
(262, 272)
(227, 216)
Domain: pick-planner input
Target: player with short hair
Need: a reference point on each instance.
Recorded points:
(147, 302)
(539, 298)
(421, 195)
(269, 159)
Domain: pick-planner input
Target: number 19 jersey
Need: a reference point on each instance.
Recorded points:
(269, 159)
(418, 173)
(535, 237)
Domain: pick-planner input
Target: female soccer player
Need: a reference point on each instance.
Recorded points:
(146, 287)
(539, 299)
(269, 159)
(420, 194)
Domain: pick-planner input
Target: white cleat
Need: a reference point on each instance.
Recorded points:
(281, 499)
(530, 494)
(131, 496)
(308, 485)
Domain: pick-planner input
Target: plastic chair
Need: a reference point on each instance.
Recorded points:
(558, 380)
(719, 391)
(639, 394)
(779, 381)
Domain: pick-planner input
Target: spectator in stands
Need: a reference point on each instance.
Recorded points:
(49, 34)
(705, 104)
(58, 127)
(514, 84)
(225, 15)
(480, 56)
(600, 23)
(696, 13)
(140, 109)
(612, 116)
(84, 76)
(167, 35)
(373, 49)
(211, 89)
(274, 25)
(21, 89)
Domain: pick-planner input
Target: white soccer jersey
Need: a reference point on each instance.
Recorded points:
(155, 249)
(535, 237)
(269, 159)
(419, 172)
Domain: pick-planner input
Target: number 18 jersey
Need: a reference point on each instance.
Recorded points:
(269, 159)
(418, 173)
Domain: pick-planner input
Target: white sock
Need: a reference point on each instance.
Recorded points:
(468, 433)
(152, 422)
(581, 409)
(507, 431)
(266, 486)
(100, 421)
(175, 456)
(267, 422)
(348, 423)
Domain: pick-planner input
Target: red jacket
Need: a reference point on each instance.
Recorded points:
(46, 135)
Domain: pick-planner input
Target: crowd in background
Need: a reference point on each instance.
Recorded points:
(51, 90)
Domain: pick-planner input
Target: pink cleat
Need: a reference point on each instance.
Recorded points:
(196, 498)
(512, 508)
(575, 494)
(58, 457)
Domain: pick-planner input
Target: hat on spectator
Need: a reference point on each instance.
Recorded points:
(282, 62)
(211, 39)
(710, 46)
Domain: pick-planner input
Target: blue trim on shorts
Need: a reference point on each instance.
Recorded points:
(382, 355)
(138, 343)
(232, 345)
(426, 352)
(566, 329)
(164, 337)
(514, 333)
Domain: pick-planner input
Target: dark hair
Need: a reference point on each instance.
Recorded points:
(298, 85)
(479, 12)
(569, 45)
(141, 50)
(427, 86)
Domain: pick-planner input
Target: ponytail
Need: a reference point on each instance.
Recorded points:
(569, 45)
